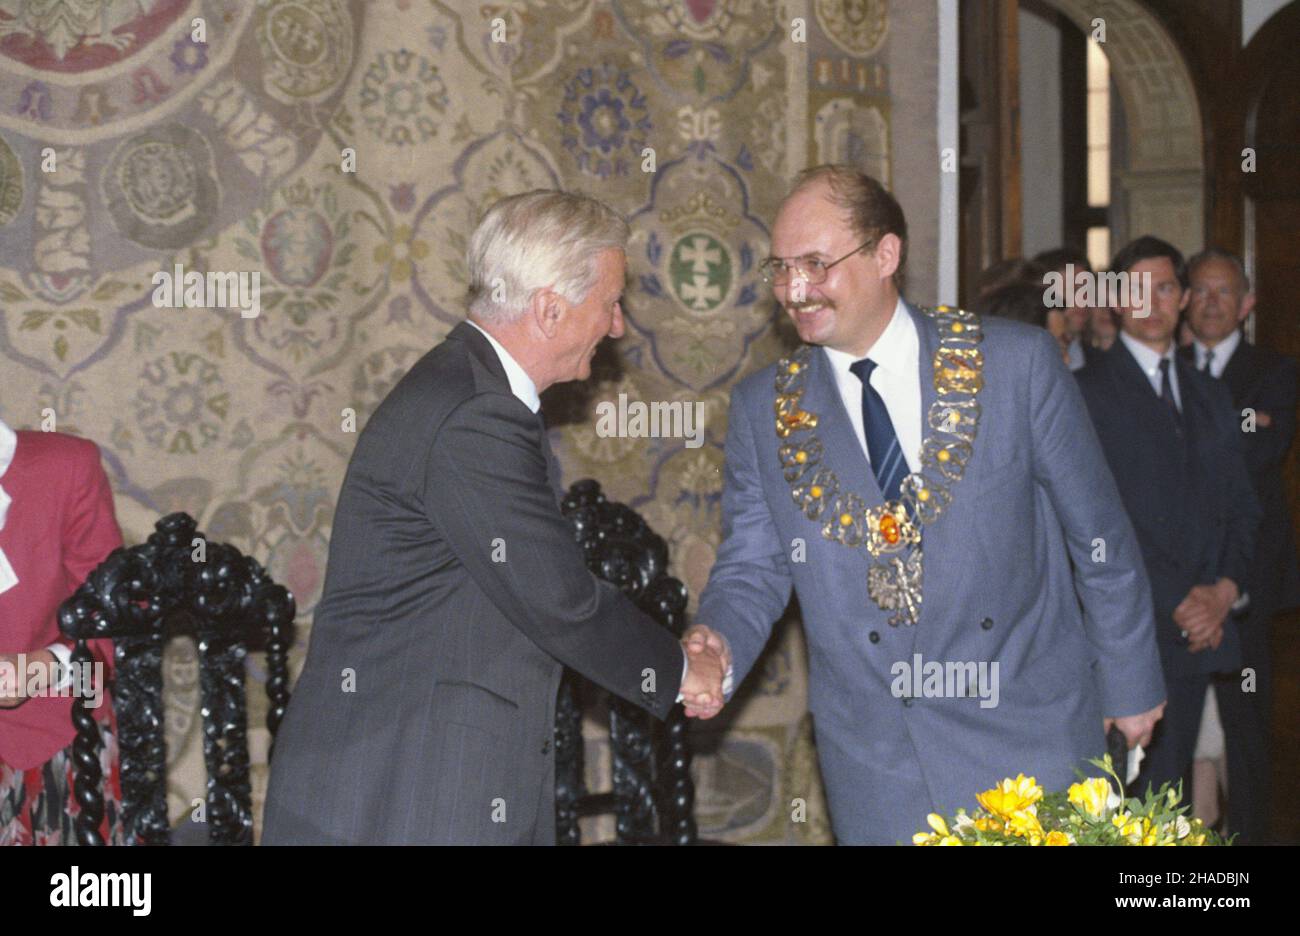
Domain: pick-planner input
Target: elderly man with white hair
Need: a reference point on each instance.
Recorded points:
(455, 592)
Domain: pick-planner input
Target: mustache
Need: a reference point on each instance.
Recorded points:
(808, 304)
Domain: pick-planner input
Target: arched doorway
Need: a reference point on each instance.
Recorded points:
(1160, 171)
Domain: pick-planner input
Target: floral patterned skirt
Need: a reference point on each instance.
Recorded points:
(37, 806)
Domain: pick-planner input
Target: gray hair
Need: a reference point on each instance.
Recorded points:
(1218, 253)
(535, 240)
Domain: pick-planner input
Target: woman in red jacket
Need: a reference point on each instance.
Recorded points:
(56, 525)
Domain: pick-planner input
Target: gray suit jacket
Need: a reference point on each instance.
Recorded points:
(426, 708)
(1009, 579)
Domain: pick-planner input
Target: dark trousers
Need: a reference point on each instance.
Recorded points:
(1169, 757)
(1247, 723)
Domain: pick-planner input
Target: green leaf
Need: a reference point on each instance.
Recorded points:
(11, 293)
(86, 318)
(107, 290)
(34, 319)
(246, 249)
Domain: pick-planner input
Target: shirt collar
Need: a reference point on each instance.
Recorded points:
(521, 385)
(895, 351)
(1147, 359)
(8, 444)
(1222, 351)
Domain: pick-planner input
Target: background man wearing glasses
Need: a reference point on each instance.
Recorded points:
(1033, 520)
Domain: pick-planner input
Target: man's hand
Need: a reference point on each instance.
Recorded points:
(1137, 728)
(701, 635)
(696, 639)
(1201, 614)
(702, 688)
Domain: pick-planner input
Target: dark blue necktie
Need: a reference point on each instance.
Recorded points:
(882, 445)
(1167, 387)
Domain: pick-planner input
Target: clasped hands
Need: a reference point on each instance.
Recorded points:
(708, 659)
(1201, 614)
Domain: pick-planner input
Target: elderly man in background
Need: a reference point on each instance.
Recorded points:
(455, 592)
(1264, 383)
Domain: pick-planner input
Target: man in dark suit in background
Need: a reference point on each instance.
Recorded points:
(455, 592)
(1174, 445)
(1263, 385)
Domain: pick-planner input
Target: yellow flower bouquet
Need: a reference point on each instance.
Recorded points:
(1018, 812)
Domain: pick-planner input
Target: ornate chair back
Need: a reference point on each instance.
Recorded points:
(653, 797)
(139, 597)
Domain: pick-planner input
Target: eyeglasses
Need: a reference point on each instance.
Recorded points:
(776, 270)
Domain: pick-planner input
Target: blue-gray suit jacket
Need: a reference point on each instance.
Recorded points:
(1010, 576)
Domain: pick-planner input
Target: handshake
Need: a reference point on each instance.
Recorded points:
(708, 672)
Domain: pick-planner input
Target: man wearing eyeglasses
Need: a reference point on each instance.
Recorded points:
(932, 490)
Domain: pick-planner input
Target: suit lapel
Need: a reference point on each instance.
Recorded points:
(1242, 373)
(928, 334)
(932, 538)
(1153, 423)
(1134, 380)
(481, 349)
(476, 342)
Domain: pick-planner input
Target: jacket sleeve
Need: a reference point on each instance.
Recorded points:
(1277, 397)
(1243, 514)
(750, 584)
(1109, 575)
(485, 489)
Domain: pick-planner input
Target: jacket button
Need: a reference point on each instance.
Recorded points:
(987, 623)
(546, 746)
(907, 701)
(874, 637)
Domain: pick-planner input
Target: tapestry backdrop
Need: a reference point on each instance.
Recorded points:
(344, 150)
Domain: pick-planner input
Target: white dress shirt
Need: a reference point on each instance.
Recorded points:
(1076, 358)
(522, 386)
(897, 378)
(1149, 361)
(1222, 352)
(8, 445)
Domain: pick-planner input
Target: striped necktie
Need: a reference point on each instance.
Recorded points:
(882, 444)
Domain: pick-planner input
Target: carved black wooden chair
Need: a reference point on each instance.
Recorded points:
(653, 797)
(139, 597)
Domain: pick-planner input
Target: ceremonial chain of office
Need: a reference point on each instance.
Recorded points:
(891, 531)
